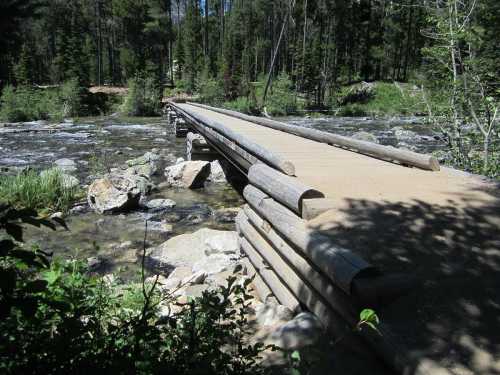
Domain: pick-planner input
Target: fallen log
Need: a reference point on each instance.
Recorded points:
(258, 151)
(285, 189)
(338, 264)
(367, 148)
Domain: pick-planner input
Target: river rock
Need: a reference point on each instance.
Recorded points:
(115, 193)
(193, 291)
(188, 250)
(67, 165)
(365, 136)
(160, 204)
(302, 331)
(404, 135)
(214, 263)
(226, 215)
(272, 313)
(188, 174)
(146, 165)
(217, 174)
(225, 242)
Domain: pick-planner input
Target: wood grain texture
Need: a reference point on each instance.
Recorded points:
(285, 189)
(372, 149)
(338, 264)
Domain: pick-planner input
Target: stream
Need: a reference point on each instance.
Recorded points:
(97, 144)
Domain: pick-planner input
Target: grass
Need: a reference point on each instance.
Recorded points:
(389, 99)
(44, 192)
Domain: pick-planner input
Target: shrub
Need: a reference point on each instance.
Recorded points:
(352, 110)
(70, 98)
(45, 191)
(281, 100)
(242, 104)
(16, 104)
(24, 103)
(210, 91)
(57, 319)
(143, 98)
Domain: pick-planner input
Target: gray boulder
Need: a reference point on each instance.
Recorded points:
(189, 250)
(66, 165)
(160, 204)
(217, 174)
(188, 174)
(303, 330)
(146, 165)
(226, 215)
(214, 263)
(365, 136)
(115, 193)
(272, 313)
(224, 243)
(404, 135)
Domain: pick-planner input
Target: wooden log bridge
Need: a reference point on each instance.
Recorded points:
(312, 198)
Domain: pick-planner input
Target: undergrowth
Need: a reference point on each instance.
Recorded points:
(47, 191)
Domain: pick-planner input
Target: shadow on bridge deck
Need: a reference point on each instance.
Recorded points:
(453, 316)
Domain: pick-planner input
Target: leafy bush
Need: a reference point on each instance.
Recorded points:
(352, 110)
(56, 318)
(45, 191)
(70, 98)
(24, 103)
(242, 104)
(210, 91)
(383, 99)
(143, 98)
(281, 99)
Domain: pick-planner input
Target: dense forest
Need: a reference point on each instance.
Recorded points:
(318, 43)
(303, 53)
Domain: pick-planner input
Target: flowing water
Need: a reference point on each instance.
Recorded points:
(99, 143)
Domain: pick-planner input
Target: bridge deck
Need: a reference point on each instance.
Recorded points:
(442, 227)
(343, 175)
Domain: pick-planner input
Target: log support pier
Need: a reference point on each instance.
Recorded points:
(197, 148)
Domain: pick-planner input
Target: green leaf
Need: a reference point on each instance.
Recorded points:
(52, 276)
(295, 355)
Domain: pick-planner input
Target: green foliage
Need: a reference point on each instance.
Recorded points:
(387, 99)
(281, 101)
(210, 90)
(25, 103)
(143, 98)
(70, 98)
(56, 318)
(45, 191)
(242, 104)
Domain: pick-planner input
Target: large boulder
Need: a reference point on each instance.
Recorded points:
(160, 204)
(146, 165)
(217, 173)
(224, 243)
(302, 331)
(66, 165)
(188, 174)
(187, 250)
(115, 193)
